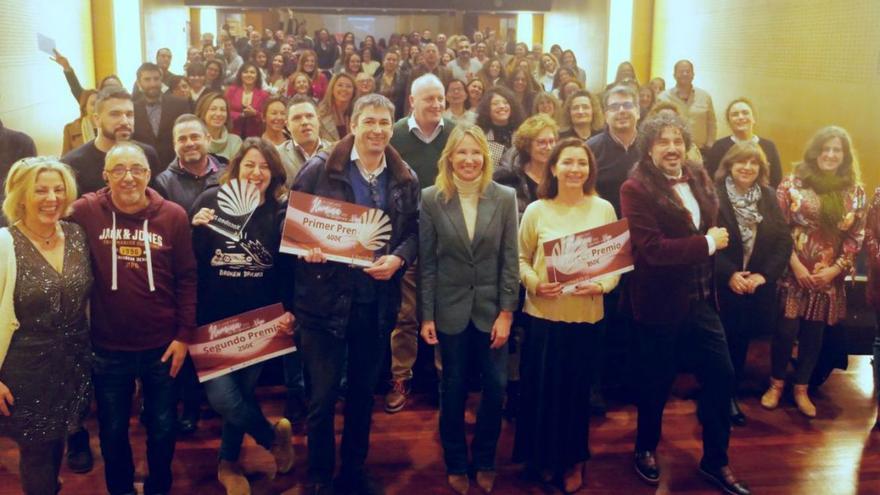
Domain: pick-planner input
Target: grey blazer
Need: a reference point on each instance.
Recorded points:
(463, 280)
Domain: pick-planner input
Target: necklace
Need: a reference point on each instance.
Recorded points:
(43, 240)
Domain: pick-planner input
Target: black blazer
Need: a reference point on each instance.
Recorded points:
(772, 249)
(172, 107)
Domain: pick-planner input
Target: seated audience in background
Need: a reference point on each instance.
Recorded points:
(391, 82)
(213, 110)
(475, 89)
(760, 247)
(276, 79)
(492, 74)
(523, 167)
(155, 286)
(45, 349)
(227, 289)
(246, 99)
(499, 115)
(825, 206)
(214, 78)
(195, 76)
(456, 103)
(647, 98)
(741, 118)
(335, 109)
(547, 104)
(469, 326)
(81, 130)
(552, 430)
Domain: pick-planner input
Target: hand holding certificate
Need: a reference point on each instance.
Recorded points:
(577, 260)
(324, 229)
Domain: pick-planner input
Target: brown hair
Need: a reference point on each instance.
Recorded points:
(742, 152)
(549, 187)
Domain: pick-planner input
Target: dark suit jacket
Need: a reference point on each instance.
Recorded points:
(172, 107)
(665, 246)
(770, 255)
(463, 280)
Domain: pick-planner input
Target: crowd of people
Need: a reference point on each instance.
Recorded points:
(479, 151)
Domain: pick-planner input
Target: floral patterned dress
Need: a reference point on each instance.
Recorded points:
(817, 249)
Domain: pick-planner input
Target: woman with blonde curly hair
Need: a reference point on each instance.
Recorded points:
(45, 347)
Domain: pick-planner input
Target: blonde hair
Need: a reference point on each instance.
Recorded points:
(445, 183)
(21, 180)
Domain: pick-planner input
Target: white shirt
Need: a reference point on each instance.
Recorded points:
(683, 190)
(368, 176)
(414, 127)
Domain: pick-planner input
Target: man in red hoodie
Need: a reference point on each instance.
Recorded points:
(142, 312)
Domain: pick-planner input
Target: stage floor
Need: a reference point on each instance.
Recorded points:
(778, 452)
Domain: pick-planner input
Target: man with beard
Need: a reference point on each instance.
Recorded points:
(155, 114)
(115, 116)
(672, 210)
(194, 169)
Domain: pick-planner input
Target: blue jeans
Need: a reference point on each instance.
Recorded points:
(454, 351)
(114, 376)
(324, 357)
(232, 396)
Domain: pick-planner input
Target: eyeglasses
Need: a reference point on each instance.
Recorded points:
(616, 107)
(545, 143)
(136, 172)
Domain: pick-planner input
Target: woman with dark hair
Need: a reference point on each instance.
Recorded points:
(563, 75)
(824, 205)
(342, 61)
(179, 87)
(581, 116)
(552, 430)
(213, 110)
(741, 118)
(275, 117)
(276, 80)
(391, 82)
(228, 288)
(308, 64)
(214, 70)
(326, 50)
(369, 64)
(456, 103)
(475, 89)
(260, 58)
(524, 166)
(335, 109)
(467, 238)
(492, 73)
(352, 64)
(570, 60)
(756, 256)
(81, 130)
(499, 114)
(246, 98)
(523, 86)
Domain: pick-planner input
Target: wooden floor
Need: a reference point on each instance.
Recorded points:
(778, 452)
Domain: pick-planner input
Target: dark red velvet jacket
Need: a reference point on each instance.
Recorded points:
(665, 243)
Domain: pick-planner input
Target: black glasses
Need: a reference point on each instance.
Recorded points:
(136, 172)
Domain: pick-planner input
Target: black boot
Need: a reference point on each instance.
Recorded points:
(736, 415)
(79, 453)
(511, 407)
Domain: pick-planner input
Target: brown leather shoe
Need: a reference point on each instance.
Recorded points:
(725, 480)
(459, 483)
(486, 480)
(395, 399)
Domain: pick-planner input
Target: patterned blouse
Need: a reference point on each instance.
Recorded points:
(817, 249)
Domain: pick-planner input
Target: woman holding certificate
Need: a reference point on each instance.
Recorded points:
(237, 273)
(553, 425)
(469, 291)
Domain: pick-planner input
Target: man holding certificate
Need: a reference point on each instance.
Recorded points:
(343, 309)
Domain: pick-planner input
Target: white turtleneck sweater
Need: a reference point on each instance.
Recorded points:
(469, 196)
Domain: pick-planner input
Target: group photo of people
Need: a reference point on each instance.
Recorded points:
(118, 257)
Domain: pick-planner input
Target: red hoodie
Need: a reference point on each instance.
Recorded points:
(145, 292)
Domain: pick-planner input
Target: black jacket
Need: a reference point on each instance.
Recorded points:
(322, 293)
(180, 186)
(172, 107)
(770, 255)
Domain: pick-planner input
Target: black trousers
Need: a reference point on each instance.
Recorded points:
(698, 342)
(39, 466)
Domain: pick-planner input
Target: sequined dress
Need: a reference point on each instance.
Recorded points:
(48, 366)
